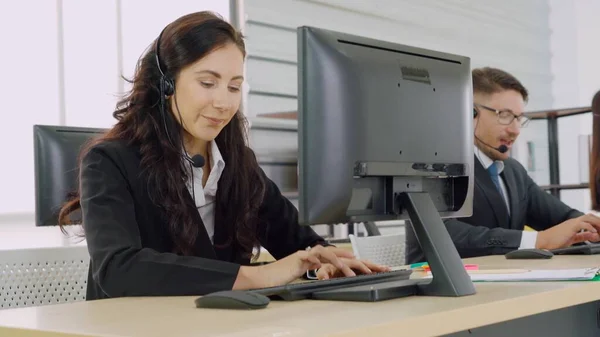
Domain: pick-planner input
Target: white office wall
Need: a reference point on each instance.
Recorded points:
(29, 91)
(588, 48)
(142, 21)
(91, 61)
(62, 62)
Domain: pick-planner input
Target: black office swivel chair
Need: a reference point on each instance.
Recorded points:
(56, 154)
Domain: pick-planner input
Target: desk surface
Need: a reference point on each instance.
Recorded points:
(177, 316)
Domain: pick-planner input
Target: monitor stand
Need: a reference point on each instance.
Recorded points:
(449, 275)
(371, 228)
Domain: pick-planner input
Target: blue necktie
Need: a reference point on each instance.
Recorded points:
(493, 172)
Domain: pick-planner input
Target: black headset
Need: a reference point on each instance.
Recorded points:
(167, 88)
(167, 85)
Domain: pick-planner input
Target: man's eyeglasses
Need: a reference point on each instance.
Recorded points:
(506, 117)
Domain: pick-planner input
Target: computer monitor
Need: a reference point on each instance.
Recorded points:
(56, 155)
(385, 133)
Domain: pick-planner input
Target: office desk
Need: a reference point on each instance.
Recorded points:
(498, 309)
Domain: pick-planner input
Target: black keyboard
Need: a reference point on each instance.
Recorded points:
(303, 290)
(586, 249)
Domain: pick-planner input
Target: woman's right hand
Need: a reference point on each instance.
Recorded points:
(293, 267)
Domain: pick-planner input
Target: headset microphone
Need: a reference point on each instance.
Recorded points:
(502, 148)
(196, 161)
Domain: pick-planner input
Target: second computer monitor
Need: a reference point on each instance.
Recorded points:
(57, 150)
(377, 119)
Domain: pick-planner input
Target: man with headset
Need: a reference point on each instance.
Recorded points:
(505, 197)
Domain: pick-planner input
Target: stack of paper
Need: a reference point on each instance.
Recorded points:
(536, 275)
(517, 275)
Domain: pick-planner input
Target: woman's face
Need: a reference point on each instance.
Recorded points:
(208, 92)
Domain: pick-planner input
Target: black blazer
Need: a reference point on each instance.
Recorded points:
(131, 252)
(488, 231)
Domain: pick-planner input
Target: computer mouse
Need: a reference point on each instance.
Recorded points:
(232, 299)
(529, 254)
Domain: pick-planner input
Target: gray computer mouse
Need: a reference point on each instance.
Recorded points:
(232, 299)
(529, 254)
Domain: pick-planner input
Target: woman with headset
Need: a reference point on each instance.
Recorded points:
(173, 201)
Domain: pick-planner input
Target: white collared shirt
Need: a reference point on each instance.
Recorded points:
(528, 238)
(205, 197)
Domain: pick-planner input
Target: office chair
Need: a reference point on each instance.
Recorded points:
(42, 276)
(56, 153)
(386, 250)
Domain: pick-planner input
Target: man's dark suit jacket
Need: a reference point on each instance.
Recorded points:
(131, 250)
(488, 231)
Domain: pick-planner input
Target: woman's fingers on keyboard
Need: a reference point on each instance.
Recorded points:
(330, 255)
(358, 265)
(375, 267)
(326, 272)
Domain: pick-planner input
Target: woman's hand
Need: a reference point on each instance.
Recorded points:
(328, 270)
(294, 266)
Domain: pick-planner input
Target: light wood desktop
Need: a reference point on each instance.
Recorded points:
(413, 316)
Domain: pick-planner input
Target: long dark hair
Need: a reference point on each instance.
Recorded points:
(241, 187)
(595, 154)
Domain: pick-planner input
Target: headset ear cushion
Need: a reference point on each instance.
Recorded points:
(168, 86)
